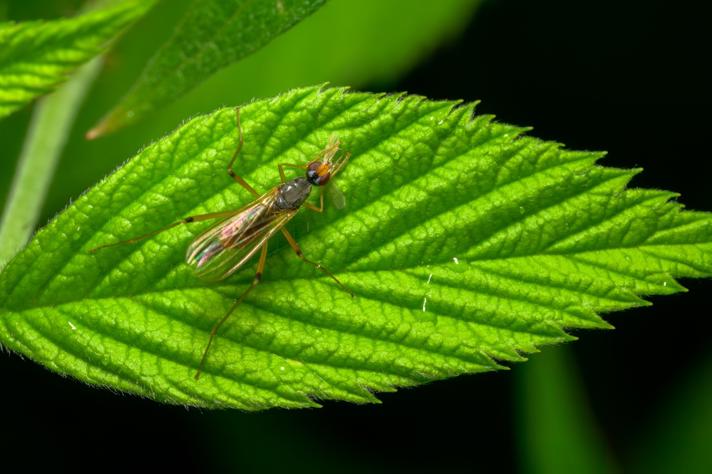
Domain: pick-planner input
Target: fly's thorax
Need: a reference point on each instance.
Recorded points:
(292, 194)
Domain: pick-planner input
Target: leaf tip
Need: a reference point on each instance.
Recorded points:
(113, 121)
(603, 324)
(93, 134)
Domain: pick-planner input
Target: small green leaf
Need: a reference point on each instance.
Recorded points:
(464, 242)
(213, 34)
(37, 56)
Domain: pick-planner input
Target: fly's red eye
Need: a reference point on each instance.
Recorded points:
(318, 173)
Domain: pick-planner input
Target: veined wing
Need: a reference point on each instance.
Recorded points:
(225, 247)
(336, 197)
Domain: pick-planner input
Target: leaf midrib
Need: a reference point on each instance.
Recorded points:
(318, 277)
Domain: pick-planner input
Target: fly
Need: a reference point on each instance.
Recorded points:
(228, 245)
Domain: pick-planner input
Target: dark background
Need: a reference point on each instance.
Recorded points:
(627, 77)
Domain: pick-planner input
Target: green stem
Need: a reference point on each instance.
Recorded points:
(51, 123)
(557, 431)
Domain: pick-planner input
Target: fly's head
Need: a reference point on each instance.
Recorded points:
(326, 164)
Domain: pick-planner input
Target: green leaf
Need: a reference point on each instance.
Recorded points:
(213, 34)
(464, 242)
(37, 56)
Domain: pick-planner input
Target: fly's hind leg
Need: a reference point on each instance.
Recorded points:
(312, 207)
(185, 220)
(219, 323)
(230, 171)
(295, 246)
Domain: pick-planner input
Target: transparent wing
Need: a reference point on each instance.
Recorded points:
(225, 247)
(335, 196)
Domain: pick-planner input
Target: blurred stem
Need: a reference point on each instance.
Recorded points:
(680, 437)
(51, 123)
(557, 432)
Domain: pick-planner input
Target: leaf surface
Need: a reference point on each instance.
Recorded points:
(466, 243)
(37, 56)
(211, 35)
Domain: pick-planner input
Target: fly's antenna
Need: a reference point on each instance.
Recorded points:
(331, 148)
(339, 163)
(333, 142)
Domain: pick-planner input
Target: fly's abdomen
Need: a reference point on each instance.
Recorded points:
(223, 248)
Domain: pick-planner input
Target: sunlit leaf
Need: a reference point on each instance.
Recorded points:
(464, 241)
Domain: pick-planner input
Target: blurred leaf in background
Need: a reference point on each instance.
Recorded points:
(212, 35)
(37, 56)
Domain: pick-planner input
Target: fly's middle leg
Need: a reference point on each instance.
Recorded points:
(214, 330)
(185, 220)
(297, 249)
(312, 207)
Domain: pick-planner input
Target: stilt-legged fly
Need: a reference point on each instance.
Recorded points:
(228, 245)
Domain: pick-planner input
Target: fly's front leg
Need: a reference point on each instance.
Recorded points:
(185, 220)
(216, 326)
(312, 207)
(281, 167)
(295, 246)
(240, 141)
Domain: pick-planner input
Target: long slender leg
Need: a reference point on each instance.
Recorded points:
(295, 246)
(230, 171)
(216, 326)
(281, 167)
(185, 220)
(312, 207)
